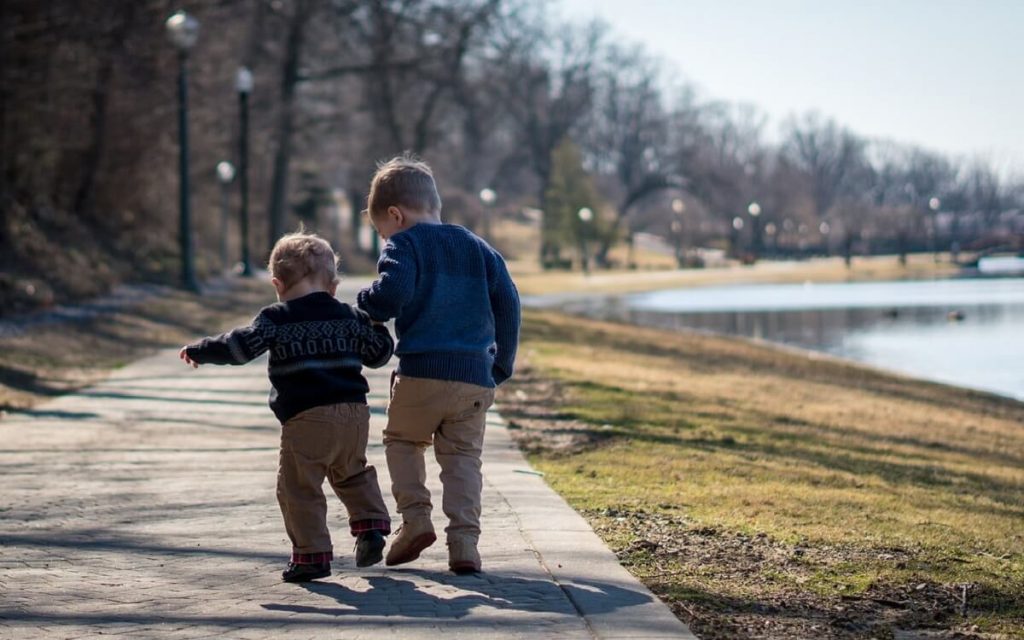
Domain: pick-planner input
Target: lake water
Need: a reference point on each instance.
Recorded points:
(968, 332)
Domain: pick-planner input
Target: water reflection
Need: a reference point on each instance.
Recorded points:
(965, 332)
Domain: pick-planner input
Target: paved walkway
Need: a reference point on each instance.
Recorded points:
(145, 507)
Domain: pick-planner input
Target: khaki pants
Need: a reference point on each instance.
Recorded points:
(451, 416)
(328, 441)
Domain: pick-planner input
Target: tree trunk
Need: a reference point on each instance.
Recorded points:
(85, 195)
(285, 123)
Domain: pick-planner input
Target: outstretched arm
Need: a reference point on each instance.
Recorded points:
(385, 298)
(237, 346)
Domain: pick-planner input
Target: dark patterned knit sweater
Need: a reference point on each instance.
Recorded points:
(317, 348)
(455, 306)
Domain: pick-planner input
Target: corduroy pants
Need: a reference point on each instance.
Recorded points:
(326, 442)
(450, 416)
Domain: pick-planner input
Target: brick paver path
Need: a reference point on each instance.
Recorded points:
(145, 507)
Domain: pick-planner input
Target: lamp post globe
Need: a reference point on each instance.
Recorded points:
(225, 172)
(183, 31)
(243, 80)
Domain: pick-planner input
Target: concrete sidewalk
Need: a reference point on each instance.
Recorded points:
(145, 507)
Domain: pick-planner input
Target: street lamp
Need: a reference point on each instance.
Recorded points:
(225, 174)
(585, 215)
(754, 209)
(824, 229)
(679, 208)
(734, 236)
(487, 196)
(770, 230)
(183, 30)
(243, 84)
(933, 204)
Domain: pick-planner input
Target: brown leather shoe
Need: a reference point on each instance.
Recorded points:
(413, 537)
(463, 556)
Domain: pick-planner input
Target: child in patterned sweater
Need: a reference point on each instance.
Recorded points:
(317, 347)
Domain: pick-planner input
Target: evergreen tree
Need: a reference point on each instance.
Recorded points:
(569, 190)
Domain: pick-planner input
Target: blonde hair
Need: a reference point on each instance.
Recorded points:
(403, 180)
(298, 255)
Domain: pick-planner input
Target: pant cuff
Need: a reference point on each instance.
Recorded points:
(371, 524)
(321, 557)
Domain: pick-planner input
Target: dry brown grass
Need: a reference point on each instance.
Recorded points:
(531, 280)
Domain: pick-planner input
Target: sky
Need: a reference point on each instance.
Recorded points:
(942, 74)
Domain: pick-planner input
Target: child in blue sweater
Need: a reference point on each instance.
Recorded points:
(456, 315)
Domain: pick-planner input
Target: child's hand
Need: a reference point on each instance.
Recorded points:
(183, 354)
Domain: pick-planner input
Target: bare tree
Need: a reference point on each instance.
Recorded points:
(827, 153)
(549, 90)
(625, 136)
(725, 165)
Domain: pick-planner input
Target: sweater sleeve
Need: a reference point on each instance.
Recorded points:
(377, 344)
(385, 298)
(505, 306)
(237, 346)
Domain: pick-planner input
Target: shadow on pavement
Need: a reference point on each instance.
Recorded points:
(51, 413)
(390, 595)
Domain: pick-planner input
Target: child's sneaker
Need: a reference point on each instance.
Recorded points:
(369, 548)
(306, 572)
(413, 537)
(463, 556)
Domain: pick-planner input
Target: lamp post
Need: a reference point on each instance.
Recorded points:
(487, 197)
(225, 174)
(183, 30)
(770, 230)
(734, 236)
(243, 84)
(585, 216)
(754, 209)
(678, 208)
(933, 205)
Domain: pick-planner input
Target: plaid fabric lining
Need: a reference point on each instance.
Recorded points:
(322, 557)
(362, 526)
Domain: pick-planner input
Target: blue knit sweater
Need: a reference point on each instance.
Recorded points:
(455, 307)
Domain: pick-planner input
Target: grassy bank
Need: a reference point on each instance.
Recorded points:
(531, 280)
(766, 493)
(43, 356)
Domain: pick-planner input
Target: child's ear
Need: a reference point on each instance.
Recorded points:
(397, 215)
(278, 285)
